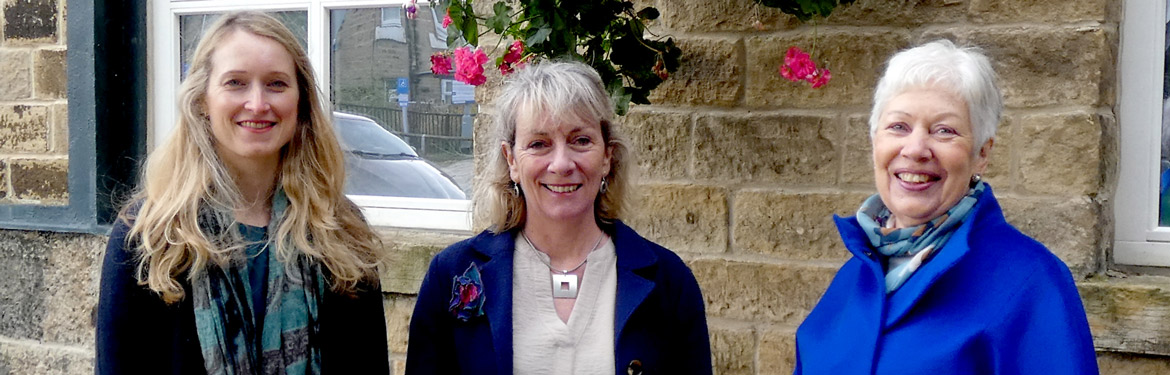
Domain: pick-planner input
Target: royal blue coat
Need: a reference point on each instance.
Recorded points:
(992, 301)
(659, 323)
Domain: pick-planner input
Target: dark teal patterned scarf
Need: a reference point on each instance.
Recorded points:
(233, 343)
(903, 242)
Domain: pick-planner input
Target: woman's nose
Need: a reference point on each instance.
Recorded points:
(917, 146)
(256, 101)
(562, 161)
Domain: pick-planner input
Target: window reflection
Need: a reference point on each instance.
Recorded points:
(1164, 166)
(380, 73)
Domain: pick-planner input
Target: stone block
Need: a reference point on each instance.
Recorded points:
(1043, 66)
(759, 292)
(24, 258)
(787, 149)
(777, 351)
(903, 14)
(30, 21)
(1060, 153)
(59, 137)
(660, 142)
(398, 310)
(1132, 364)
(1006, 11)
(71, 279)
(24, 129)
(5, 194)
(1067, 226)
(854, 57)
(33, 358)
(710, 73)
(15, 74)
(683, 218)
(1128, 315)
(719, 16)
(857, 166)
(797, 226)
(50, 74)
(42, 181)
(734, 351)
(999, 166)
(404, 266)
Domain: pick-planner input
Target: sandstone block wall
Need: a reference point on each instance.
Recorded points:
(33, 117)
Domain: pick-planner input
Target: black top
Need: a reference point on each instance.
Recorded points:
(256, 268)
(137, 333)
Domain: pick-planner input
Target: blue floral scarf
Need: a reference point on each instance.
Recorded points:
(233, 343)
(909, 242)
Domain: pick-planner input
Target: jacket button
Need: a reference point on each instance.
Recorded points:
(635, 368)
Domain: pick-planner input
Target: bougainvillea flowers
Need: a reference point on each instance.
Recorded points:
(441, 64)
(512, 60)
(469, 66)
(447, 19)
(798, 66)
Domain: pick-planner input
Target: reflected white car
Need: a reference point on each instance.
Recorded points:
(381, 164)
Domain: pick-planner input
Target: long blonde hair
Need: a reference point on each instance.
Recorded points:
(562, 90)
(187, 192)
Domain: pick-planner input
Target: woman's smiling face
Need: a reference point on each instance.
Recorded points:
(252, 98)
(559, 165)
(923, 154)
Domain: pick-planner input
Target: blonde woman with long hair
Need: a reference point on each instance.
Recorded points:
(240, 253)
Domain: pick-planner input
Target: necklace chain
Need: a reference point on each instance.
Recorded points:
(549, 262)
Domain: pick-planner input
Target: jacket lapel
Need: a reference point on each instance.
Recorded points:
(633, 254)
(956, 248)
(497, 280)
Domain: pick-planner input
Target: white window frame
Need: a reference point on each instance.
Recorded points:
(163, 36)
(1138, 240)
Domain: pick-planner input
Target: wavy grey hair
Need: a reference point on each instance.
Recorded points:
(965, 71)
(560, 91)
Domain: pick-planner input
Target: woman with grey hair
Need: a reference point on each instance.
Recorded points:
(939, 282)
(557, 284)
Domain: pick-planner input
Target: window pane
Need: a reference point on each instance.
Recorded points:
(1164, 166)
(385, 97)
(192, 27)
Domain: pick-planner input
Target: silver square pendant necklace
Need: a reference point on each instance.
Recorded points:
(564, 282)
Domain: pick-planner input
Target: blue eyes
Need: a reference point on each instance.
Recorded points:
(276, 85)
(579, 141)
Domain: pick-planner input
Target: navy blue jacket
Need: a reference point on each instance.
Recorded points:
(659, 324)
(992, 301)
(137, 333)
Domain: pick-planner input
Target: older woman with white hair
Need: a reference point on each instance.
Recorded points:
(557, 284)
(939, 282)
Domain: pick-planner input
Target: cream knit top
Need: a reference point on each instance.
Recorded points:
(541, 342)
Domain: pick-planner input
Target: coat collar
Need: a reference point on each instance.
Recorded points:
(899, 303)
(635, 258)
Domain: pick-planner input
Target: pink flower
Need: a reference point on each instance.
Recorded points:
(798, 66)
(412, 9)
(822, 77)
(440, 63)
(512, 58)
(469, 66)
(447, 19)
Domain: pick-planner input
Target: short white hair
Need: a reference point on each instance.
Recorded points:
(940, 64)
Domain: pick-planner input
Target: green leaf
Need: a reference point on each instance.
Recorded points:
(539, 37)
(649, 13)
(502, 18)
(621, 101)
(471, 31)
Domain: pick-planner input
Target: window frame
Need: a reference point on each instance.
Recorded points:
(1138, 240)
(398, 212)
(106, 132)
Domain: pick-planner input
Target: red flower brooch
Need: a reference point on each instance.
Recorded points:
(467, 295)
